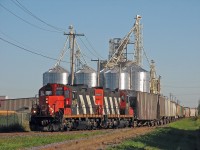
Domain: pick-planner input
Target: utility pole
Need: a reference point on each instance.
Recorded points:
(71, 33)
(98, 70)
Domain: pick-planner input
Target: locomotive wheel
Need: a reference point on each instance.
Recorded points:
(94, 126)
(33, 127)
(50, 127)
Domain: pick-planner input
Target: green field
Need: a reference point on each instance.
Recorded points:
(21, 142)
(180, 135)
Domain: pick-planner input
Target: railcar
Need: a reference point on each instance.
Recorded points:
(186, 112)
(193, 112)
(180, 111)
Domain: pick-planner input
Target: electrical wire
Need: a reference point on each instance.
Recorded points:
(34, 16)
(27, 50)
(62, 54)
(88, 48)
(188, 87)
(93, 48)
(146, 56)
(80, 53)
(27, 21)
(14, 39)
(188, 94)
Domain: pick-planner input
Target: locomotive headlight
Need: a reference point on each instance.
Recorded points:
(34, 111)
(47, 99)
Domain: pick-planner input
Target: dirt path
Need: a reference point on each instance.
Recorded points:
(99, 142)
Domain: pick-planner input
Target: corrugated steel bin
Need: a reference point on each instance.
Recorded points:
(192, 112)
(187, 111)
(162, 111)
(146, 106)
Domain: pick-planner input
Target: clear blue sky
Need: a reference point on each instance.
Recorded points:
(171, 37)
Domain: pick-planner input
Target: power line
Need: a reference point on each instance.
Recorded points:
(193, 94)
(26, 21)
(80, 52)
(14, 39)
(146, 57)
(188, 87)
(34, 16)
(88, 48)
(30, 50)
(93, 47)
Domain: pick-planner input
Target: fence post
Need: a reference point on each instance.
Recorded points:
(21, 118)
(7, 116)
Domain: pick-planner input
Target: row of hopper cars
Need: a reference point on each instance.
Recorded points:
(65, 107)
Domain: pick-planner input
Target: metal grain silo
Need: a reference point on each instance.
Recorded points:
(87, 76)
(116, 78)
(139, 78)
(124, 79)
(56, 75)
(111, 78)
(102, 77)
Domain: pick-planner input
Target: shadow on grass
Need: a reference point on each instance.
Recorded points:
(167, 138)
(12, 128)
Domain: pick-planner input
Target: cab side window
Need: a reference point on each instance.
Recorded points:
(74, 95)
(48, 90)
(48, 93)
(42, 93)
(127, 99)
(66, 94)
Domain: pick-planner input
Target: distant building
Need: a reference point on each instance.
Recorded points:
(3, 97)
(19, 104)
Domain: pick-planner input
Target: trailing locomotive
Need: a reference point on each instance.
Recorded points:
(65, 107)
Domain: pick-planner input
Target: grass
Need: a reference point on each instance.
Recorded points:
(21, 142)
(186, 124)
(182, 134)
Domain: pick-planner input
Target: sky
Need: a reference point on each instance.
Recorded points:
(32, 30)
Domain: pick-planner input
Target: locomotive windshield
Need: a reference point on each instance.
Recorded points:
(47, 91)
(59, 91)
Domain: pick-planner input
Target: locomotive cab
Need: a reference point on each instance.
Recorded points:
(126, 107)
(54, 99)
(54, 103)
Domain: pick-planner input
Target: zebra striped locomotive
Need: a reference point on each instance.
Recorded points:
(64, 107)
